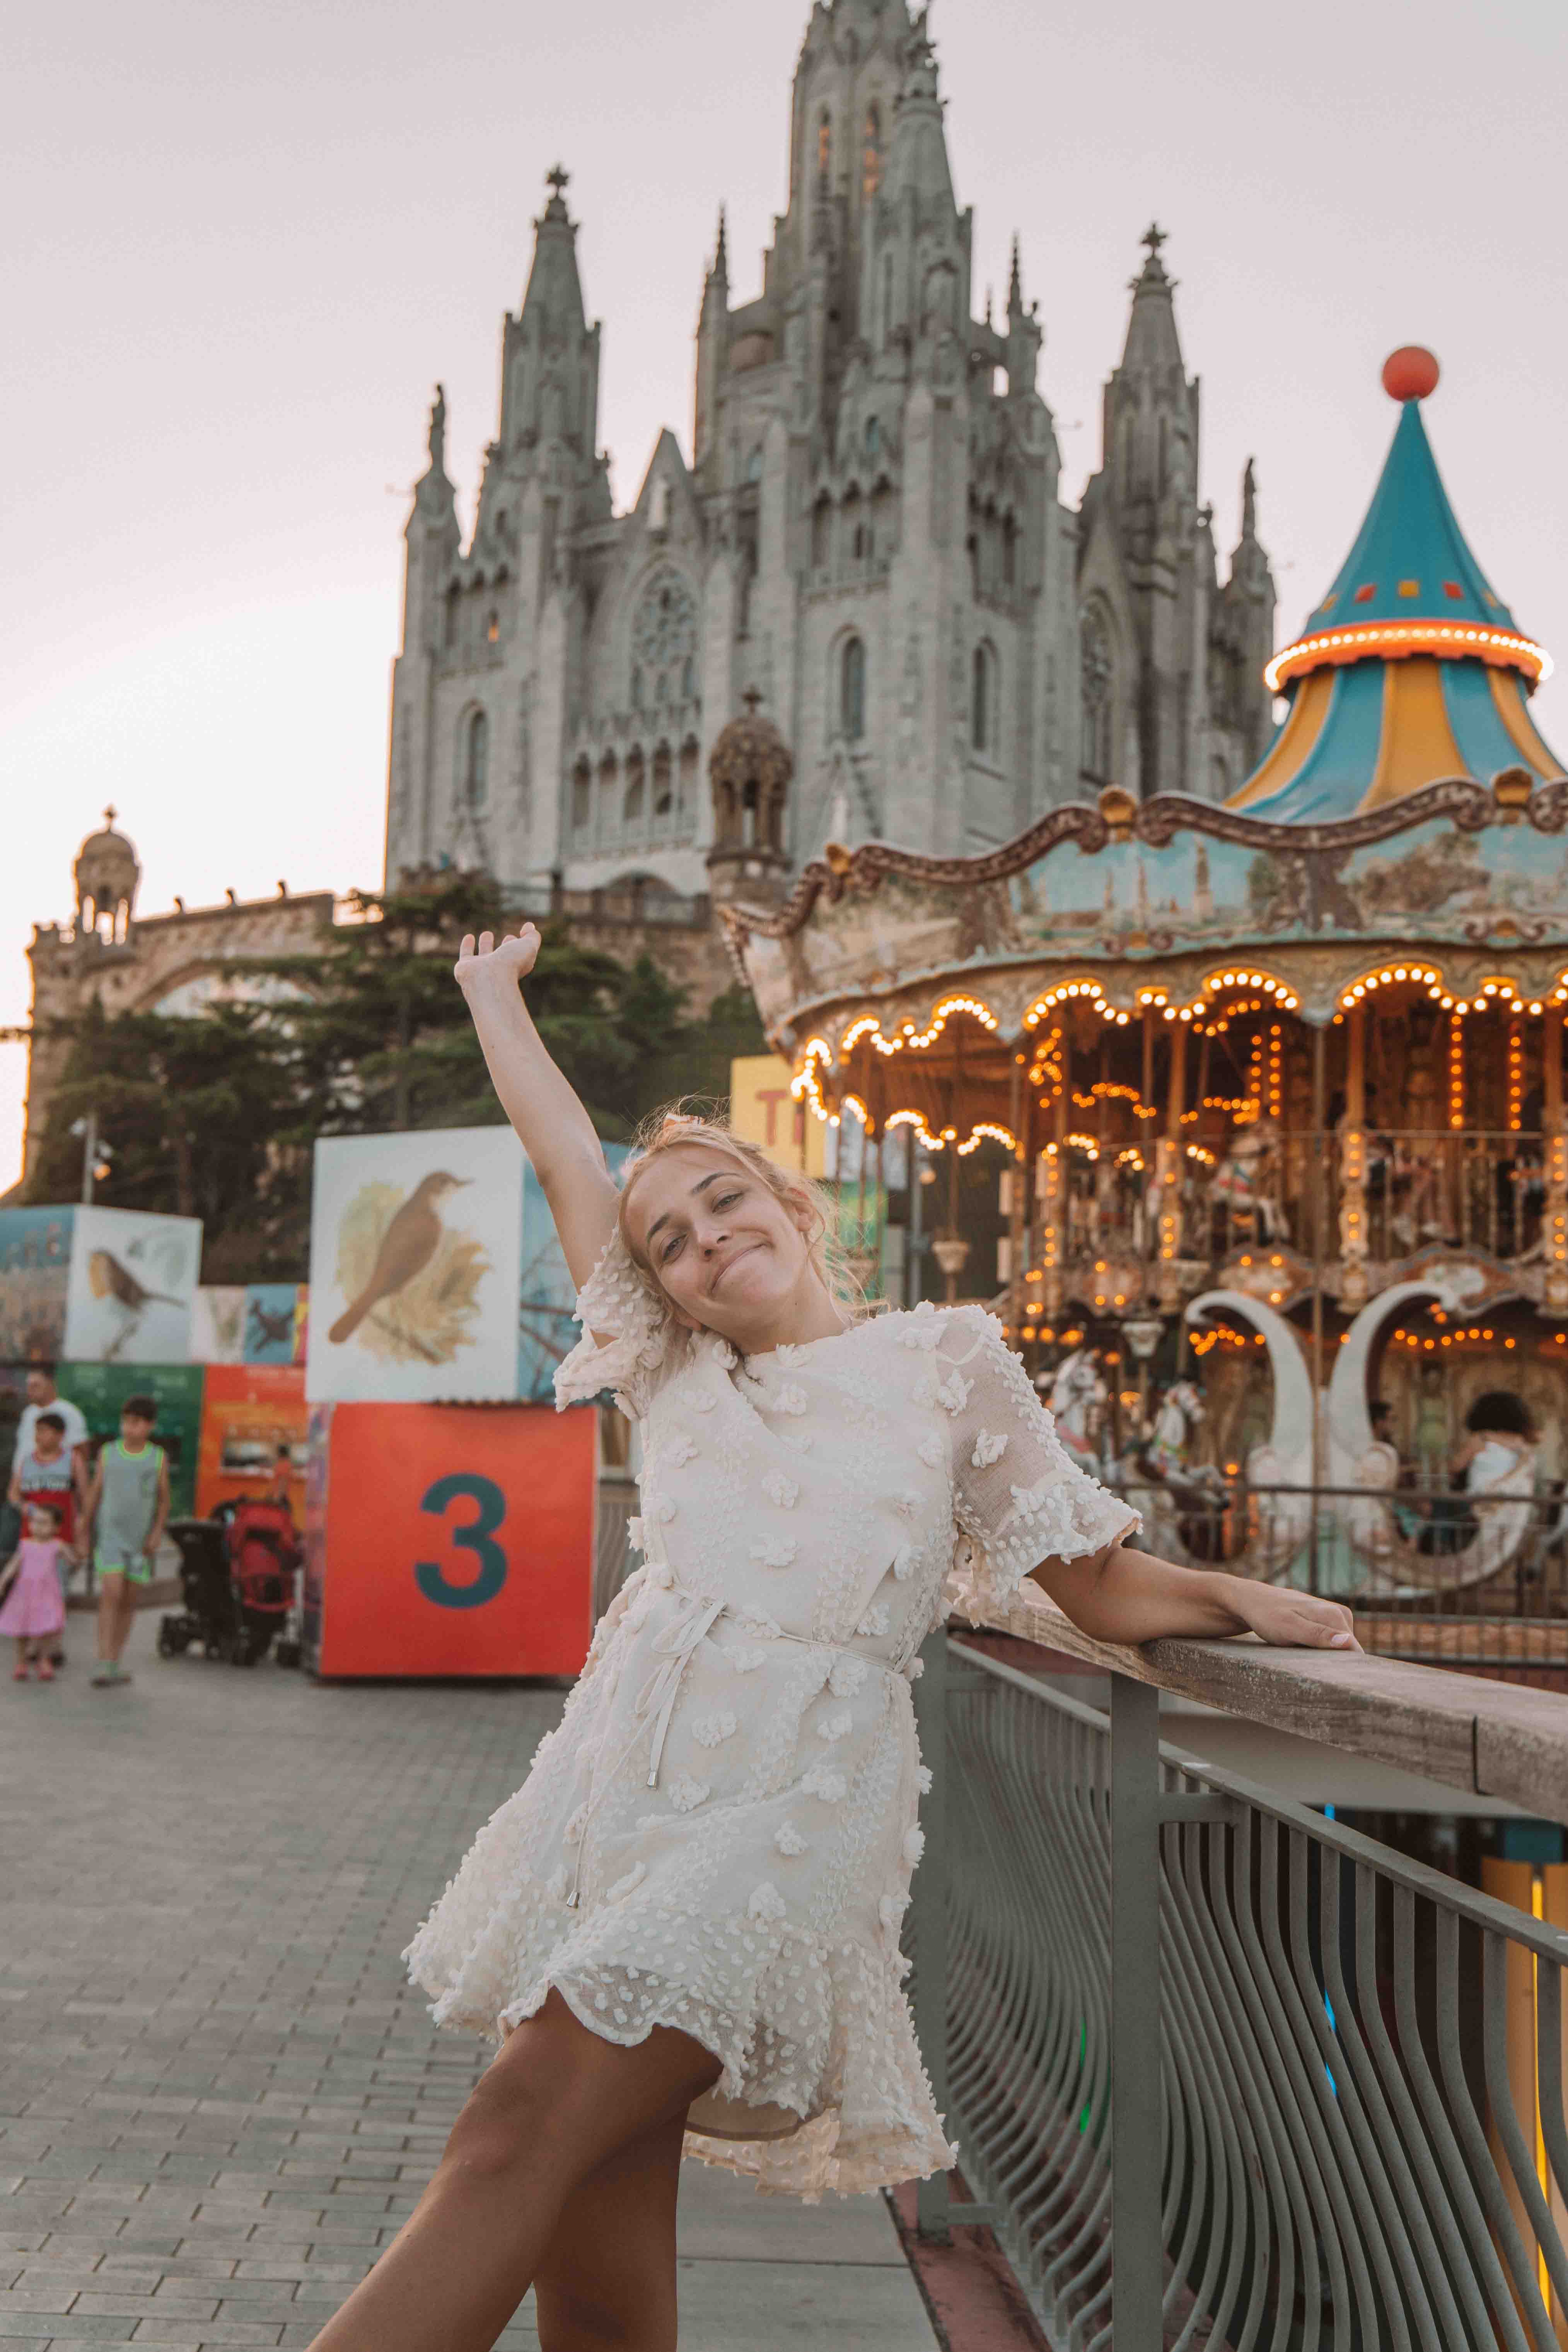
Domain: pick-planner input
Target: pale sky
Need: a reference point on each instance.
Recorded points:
(246, 239)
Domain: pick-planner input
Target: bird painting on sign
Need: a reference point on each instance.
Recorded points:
(414, 1281)
(131, 1287)
(417, 1247)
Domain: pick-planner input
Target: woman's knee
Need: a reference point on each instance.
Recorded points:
(572, 2316)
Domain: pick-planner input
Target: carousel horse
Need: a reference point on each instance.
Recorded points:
(1181, 1409)
(1241, 1184)
(1077, 1389)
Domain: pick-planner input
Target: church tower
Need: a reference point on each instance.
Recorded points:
(867, 547)
(1166, 702)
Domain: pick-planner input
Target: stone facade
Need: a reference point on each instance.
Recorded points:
(168, 963)
(868, 534)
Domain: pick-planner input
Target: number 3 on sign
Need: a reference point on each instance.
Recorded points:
(475, 1534)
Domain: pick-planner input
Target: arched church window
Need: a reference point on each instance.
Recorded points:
(1009, 553)
(873, 435)
(983, 699)
(852, 690)
(582, 797)
(492, 628)
(631, 811)
(754, 464)
(663, 638)
(476, 760)
(822, 534)
(1096, 672)
(454, 613)
(871, 154)
(689, 679)
(887, 296)
(663, 794)
(825, 144)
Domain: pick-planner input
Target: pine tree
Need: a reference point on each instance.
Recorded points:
(217, 1114)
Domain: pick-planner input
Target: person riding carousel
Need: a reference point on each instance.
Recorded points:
(683, 1930)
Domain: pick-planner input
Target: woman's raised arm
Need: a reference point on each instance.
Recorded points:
(555, 1130)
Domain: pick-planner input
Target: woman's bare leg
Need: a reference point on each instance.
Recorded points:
(609, 2275)
(554, 2104)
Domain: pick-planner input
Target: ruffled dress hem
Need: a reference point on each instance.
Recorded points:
(784, 2108)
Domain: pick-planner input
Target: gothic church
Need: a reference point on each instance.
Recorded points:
(867, 542)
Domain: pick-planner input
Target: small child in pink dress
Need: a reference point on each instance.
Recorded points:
(34, 1610)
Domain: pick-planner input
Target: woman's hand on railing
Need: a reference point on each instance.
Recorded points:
(1291, 1619)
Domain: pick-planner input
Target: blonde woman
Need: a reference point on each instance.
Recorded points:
(683, 1929)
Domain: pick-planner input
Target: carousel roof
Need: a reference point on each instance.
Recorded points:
(1412, 670)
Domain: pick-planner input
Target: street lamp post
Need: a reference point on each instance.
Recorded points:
(95, 1156)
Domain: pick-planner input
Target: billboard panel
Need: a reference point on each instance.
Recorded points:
(34, 1273)
(252, 1413)
(132, 1286)
(100, 1391)
(416, 1244)
(762, 1111)
(457, 1541)
(275, 1323)
(218, 1324)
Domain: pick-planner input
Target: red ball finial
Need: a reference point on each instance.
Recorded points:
(1409, 373)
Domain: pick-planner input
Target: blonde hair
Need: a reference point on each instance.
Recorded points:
(666, 1130)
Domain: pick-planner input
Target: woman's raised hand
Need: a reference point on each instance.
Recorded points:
(487, 959)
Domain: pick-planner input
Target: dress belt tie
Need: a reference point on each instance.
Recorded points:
(676, 1647)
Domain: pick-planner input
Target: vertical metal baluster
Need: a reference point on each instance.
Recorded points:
(1137, 2267)
(1344, 2178)
(1476, 2256)
(1483, 2170)
(930, 1694)
(1505, 2117)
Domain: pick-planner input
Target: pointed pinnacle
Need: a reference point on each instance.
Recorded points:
(721, 252)
(1015, 279)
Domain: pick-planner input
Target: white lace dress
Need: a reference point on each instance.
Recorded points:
(720, 1835)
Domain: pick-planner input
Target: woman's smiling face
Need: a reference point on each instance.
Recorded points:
(727, 1252)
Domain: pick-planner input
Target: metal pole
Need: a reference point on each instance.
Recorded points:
(1137, 2252)
(88, 1157)
(1320, 1121)
(930, 1938)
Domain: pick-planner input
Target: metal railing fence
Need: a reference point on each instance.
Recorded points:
(1224, 2071)
(1432, 1574)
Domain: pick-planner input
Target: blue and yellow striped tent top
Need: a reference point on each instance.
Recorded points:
(1412, 669)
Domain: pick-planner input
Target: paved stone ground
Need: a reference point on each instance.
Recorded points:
(217, 2099)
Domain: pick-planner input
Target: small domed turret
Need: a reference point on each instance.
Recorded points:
(106, 874)
(749, 768)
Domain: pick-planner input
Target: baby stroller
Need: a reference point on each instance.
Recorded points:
(238, 1577)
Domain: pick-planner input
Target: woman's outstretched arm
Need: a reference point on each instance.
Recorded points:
(1121, 1595)
(555, 1130)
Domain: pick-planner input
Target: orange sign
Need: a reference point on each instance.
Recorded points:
(251, 1414)
(456, 1539)
(764, 1111)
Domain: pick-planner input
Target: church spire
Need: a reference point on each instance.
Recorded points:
(435, 500)
(552, 355)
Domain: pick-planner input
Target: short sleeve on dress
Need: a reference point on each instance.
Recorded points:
(628, 1333)
(1019, 1496)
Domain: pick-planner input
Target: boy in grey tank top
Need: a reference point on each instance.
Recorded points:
(126, 1510)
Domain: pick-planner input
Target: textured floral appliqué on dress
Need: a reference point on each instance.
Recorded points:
(753, 1896)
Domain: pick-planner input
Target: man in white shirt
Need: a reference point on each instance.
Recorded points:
(43, 1396)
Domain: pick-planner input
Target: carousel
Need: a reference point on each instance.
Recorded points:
(1248, 1118)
